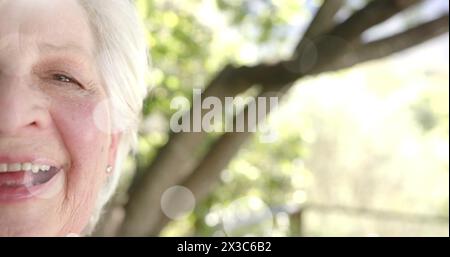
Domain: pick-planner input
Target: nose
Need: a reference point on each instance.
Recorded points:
(21, 109)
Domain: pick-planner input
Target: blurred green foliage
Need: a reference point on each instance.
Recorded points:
(190, 40)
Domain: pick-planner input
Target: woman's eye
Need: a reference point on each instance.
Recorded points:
(63, 78)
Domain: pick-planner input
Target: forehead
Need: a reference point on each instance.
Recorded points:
(43, 23)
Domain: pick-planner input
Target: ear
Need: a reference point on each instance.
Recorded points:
(112, 149)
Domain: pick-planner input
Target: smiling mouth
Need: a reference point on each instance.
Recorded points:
(26, 178)
(20, 181)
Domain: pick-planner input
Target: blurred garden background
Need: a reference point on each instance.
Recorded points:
(359, 144)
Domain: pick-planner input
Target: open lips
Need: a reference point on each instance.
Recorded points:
(15, 175)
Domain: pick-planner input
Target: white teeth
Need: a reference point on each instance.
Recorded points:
(14, 167)
(35, 168)
(26, 166)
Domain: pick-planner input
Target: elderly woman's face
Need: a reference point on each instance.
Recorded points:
(52, 155)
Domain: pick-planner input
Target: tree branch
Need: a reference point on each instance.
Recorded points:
(393, 44)
(328, 47)
(321, 23)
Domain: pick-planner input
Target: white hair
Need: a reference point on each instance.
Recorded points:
(122, 60)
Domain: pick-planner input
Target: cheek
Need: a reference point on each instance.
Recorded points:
(87, 149)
